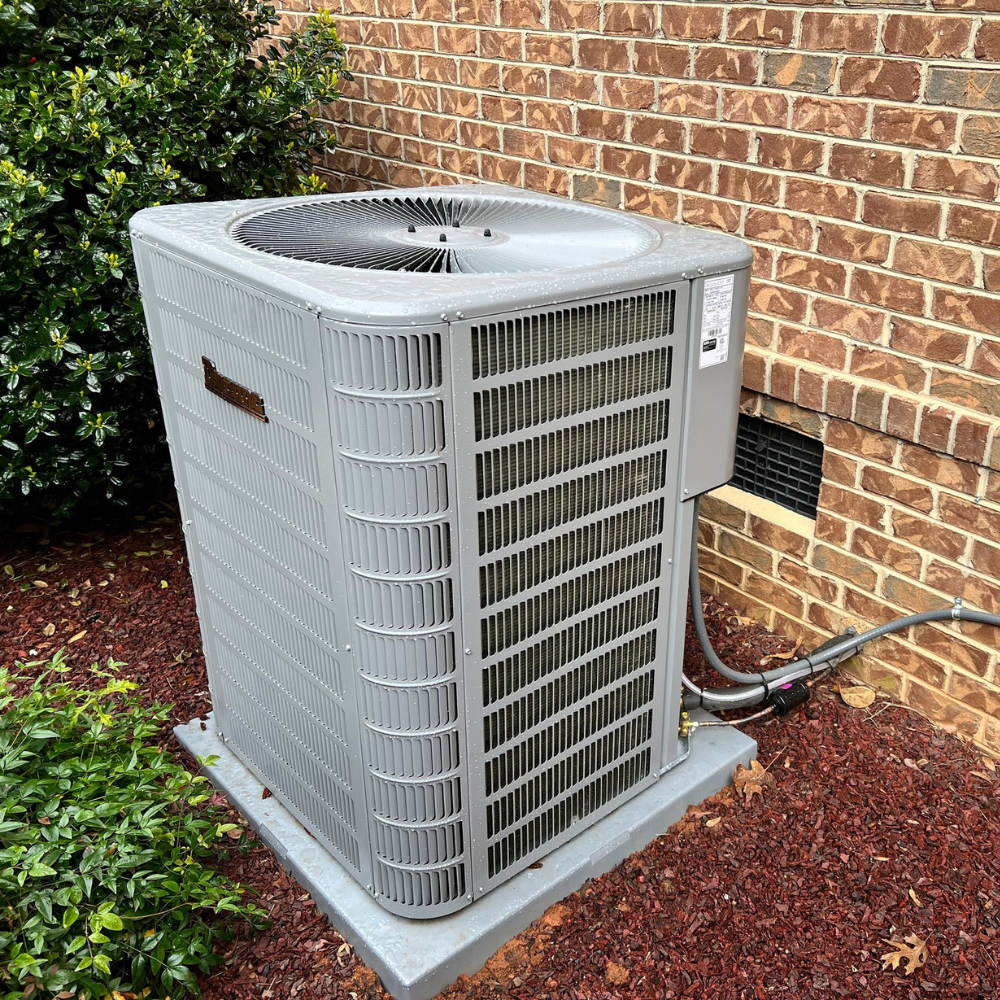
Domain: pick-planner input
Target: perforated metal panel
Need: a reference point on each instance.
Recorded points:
(438, 563)
(566, 510)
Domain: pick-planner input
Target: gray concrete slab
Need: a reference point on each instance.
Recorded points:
(416, 959)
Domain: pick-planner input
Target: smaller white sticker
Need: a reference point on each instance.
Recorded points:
(716, 314)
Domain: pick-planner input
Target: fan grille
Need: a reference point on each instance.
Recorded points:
(448, 233)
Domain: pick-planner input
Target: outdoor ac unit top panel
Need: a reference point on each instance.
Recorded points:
(541, 250)
(436, 565)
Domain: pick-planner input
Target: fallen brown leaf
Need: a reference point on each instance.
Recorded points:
(343, 955)
(858, 696)
(616, 974)
(78, 636)
(49, 629)
(916, 899)
(713, 822)
(911, 951)
(751, 782)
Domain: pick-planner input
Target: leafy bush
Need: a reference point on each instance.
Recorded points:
(103, 844)
(109, 106)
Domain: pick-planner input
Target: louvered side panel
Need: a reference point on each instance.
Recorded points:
(568, 490)
(392, 420)
(260, 518)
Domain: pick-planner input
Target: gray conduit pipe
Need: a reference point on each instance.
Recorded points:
(753, 688)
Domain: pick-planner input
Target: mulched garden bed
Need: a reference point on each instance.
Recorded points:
(877, 826)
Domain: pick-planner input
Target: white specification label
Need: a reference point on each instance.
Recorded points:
(716, 314)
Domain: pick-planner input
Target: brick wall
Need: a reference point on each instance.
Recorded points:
(855, 148)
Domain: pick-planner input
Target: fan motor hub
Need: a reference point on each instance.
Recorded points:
(455, 237)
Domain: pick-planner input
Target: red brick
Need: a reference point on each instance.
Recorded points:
(932, 35)
(779, 538)
(506, 110)
(986, 359)
(845, 436)
(968, 391)
(720, 142)
(438, 68)
(521, 142)
(523, 14)
(552, 180)
(840, 397)
(416, 36)
(962, 477)
(710, 213)
(694, 99)
(572, 152)
(836, 31)
(602, 53)
(901, 418)
(935, 427)
(796, 71)
(911, 127)
(964, 88)
(957, 580)
(933, 260)
(991, 272)
(438, 129)
(781, 381)
(883, 167)
(773, 301)
(884, 366)
(548, 115)
(629, 92)
(657, 132)
(460, 41)
(981, 135)
(635, 164)
(683, 172)
(807, 580)
(755, 107)
(931, 342)
(851, 243)
(549, 50)
(760, 27)
(574, 16)
(967, 178)
(712, 62)
(907, 215)
(811, 389)
(457, 102)
(975, 224)
(597, 190)
(820, 197)
(971, 437)
(908, 492)
(500, 44)
(748, 185)
(754, 371)
(847, 119)
(691, 21)
(660, 59)
(525, 80)
(870, 406)
(629, 18)
(774, 594)
(855, 506)
(978, 312)
(795, 342)
(419, 98)
(812, 272)
(988, 41)
(651, 201)
(879, 288)
(568, 85)
(597, 123)
(928, 534)
(891, 79)
(789, 152)
(500, 169)
(776, 227)
(480, 135)
(966, 516)
(479, 74)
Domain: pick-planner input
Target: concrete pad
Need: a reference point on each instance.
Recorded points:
(416, 959)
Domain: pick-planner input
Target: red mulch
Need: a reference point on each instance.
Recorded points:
(878, 826)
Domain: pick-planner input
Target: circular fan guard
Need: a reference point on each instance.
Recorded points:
(445, 234)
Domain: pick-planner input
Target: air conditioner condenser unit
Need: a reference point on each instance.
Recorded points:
(432, 449)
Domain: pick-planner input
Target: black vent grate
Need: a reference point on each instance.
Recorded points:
(778, 464)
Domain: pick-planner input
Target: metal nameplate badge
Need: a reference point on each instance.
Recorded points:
(232, 392)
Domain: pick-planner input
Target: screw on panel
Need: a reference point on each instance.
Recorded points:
(486, 232)
(455, 223)
(442, 238)
(468, 652)
(411, 228)
(348, 648)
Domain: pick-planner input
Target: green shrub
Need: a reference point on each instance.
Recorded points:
(103, 844)
(109, 106)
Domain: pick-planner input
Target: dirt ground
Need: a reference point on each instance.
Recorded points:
(876, 827)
